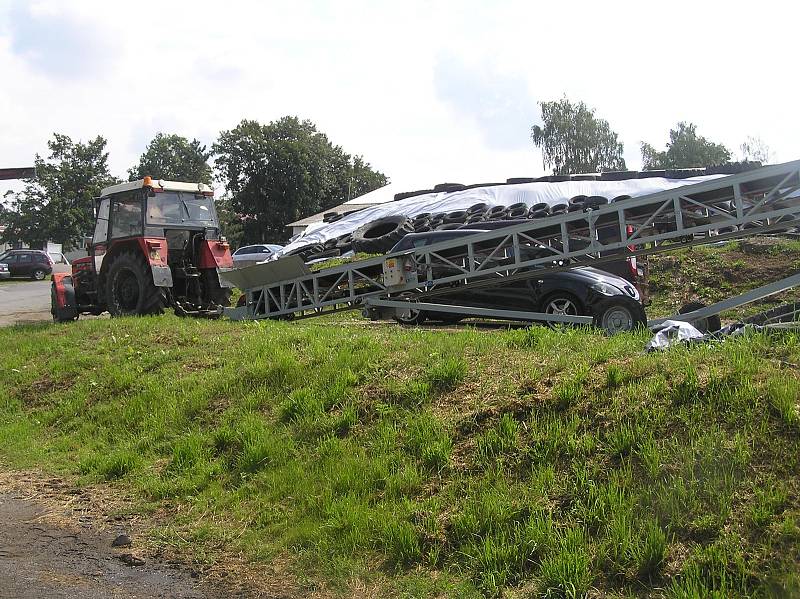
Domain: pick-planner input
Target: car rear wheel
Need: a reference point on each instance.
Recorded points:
(38, 274)
(562, 304)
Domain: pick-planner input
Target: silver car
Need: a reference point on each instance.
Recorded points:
(253, 254)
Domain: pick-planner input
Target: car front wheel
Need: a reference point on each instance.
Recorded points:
(619, 314)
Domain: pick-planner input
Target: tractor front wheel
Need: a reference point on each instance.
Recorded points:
(130, 290)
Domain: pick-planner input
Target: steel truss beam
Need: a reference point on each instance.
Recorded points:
(739, 206)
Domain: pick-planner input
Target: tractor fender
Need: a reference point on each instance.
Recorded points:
(154, 250)
(64, 306)
(215, 253)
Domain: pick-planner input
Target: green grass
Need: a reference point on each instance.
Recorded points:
(712, 273)
(530, 462)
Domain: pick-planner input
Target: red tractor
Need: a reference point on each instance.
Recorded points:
(156, 244)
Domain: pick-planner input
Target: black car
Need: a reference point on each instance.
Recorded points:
(35, 264)
(613, 301)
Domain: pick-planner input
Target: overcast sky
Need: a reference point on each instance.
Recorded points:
(426, 91)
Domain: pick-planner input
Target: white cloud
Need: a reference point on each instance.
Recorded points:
(427, 91)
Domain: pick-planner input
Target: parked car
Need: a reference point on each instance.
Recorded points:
(4, 272)
(35, 264)
(252, 254)
(613, 301)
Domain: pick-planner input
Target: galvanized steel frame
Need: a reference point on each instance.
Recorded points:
(752, 202)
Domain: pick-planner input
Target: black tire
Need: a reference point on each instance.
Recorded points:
(577, 200)
(58, 314)
(517, 213)
(446, 318)
(497, 213)
(618, 314)
(448, 187)
(38, 274)
(710, 324)
(414, 318)
(539, 214)
(422, 225)
(410, 194)
(449, 226)
(562, 302)
(595, 201)
(480, 208)
(456, 216)
(343, 241)
(331, 253)
(381, 235)
(540, 206)
(130, 290)
(212, 291)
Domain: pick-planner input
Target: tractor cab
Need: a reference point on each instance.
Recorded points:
(155, 243)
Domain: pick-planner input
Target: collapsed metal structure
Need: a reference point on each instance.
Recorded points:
(731, 207)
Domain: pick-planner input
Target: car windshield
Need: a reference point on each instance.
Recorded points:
(179, 207)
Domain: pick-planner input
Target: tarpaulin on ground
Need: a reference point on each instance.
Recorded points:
(495, 195)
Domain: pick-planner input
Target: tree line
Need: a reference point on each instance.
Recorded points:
(273, 174)
(285, 170)
(573, 140)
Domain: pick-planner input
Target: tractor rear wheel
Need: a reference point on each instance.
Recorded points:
(130, 290)
(212, 290)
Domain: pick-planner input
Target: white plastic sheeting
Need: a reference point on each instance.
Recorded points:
(496, 195)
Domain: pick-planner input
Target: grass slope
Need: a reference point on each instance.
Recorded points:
(713, 273)
(532, 462)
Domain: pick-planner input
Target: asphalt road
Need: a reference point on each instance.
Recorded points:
(24, 301)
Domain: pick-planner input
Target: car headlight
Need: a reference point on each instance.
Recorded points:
(605, 289)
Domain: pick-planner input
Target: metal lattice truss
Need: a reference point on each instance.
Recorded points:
(731, 207)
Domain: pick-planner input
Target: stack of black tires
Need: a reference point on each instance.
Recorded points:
(380, 235)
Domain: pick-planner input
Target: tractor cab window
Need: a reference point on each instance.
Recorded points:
(165, 208)
(126, 217)
(101, 227)
(200, 208)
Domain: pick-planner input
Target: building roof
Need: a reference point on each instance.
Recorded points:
(23, 172)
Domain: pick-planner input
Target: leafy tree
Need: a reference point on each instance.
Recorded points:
(753, 149)
(685, 149)
(283, 171)
(573, 140)
(174, 158)
(230, 223)
(58, 205)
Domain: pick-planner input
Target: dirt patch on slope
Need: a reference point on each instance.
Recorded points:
(56, 541)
